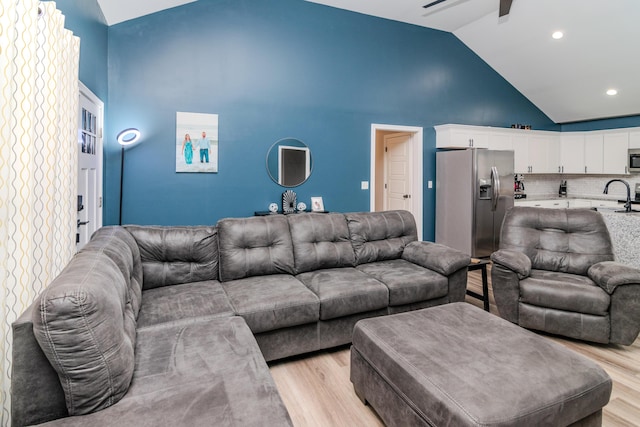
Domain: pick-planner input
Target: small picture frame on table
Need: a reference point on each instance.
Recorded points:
(317, 205)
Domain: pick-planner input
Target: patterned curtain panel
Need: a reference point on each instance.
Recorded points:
(38, 160)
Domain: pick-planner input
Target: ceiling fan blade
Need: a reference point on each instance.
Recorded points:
(433, 3)
(505, 5)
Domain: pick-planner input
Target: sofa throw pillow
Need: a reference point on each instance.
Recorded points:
(85, 325)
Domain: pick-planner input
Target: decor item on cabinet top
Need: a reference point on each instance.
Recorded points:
(289, 201)
(520, 126)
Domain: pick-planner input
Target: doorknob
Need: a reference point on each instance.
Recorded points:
(406, 196)
(82, 223)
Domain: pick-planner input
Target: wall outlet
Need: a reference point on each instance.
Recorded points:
(364, 185)
(429, 184)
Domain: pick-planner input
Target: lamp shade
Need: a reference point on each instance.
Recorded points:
(128, 136)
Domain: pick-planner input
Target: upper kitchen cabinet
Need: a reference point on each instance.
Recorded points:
(634, 139)
(581, 153)
(546, 147)
(593, 149)
(614, 157)
(572, 152)
(500, 140)
(543, 152)
(536, 152)
(461, 136)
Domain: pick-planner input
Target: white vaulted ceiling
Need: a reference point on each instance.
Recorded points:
(567, 79)
(116, 11)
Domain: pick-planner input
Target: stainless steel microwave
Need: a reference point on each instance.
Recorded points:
(634, 160)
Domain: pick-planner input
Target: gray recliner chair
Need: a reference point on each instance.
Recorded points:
(555, 272)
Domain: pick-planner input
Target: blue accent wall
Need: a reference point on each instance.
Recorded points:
(85, 19)
(275, 69)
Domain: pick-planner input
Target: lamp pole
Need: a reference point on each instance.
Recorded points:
(126, 137)
(121, 182)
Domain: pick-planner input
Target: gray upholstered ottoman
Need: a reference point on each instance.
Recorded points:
(457, 365)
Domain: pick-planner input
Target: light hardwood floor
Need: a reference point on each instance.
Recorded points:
(318, 393)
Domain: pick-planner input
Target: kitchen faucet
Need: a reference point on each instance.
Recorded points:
(627, 205)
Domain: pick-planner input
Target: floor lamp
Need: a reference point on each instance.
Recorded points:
(126, 137)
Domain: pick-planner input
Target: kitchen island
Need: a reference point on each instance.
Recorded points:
(624, 229)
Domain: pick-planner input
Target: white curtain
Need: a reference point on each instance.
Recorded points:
(38, 160)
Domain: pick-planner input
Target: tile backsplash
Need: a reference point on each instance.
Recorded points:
(583, 186)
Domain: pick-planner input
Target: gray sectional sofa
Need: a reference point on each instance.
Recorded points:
(174, 325)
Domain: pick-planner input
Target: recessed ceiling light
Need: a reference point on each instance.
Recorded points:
(612, 92)
(557, 35)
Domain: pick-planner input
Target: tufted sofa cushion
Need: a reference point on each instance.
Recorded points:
(379, 236)
(563, 240)
(175, 255)
(320, 241)
(254, 246)
(97, 297)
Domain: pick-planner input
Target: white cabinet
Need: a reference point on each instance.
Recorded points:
(581, 153)
(593, 147)
(549, 204)
(461, 136)
(568, 203)
(572, 153)
(605, 204)
(535, 152)
(500, 141)
(520, 145)
(614, 158)
(544, 153)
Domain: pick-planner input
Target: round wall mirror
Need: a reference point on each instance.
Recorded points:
(289, 162)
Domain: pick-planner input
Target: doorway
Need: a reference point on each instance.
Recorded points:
(397, 170)
(90, 120)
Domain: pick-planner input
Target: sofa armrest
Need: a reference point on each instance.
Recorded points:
(517, 262)
(610, 274)
(436, 257)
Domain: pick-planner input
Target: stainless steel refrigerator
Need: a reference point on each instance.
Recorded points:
(474, 190)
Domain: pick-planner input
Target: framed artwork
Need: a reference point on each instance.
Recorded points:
(196, 142)
(317, 205)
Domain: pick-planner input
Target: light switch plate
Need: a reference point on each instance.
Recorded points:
(364, 185)
(429, 184)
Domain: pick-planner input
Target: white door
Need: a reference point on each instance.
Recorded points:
(397, 156)
(90, 119)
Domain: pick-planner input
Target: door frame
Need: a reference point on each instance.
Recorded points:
(83, 90)
(417, 155)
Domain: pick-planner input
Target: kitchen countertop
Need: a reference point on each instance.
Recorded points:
(540, 197)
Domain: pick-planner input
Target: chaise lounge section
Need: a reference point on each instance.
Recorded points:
(174, 325)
